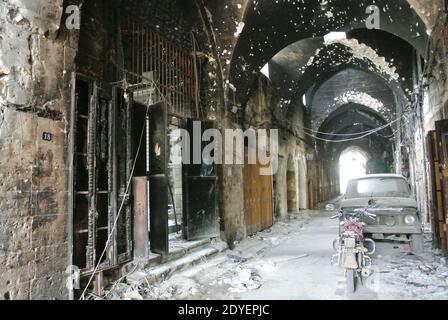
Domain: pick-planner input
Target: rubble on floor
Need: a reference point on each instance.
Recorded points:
(251, 270)
(239, 270)
(409, 276)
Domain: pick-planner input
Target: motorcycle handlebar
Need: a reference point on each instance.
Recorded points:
(370, 215)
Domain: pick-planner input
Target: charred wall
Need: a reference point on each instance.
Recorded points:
(35, 66)
(100, 47)
(98, 41)
(175, 19)
(37, 59)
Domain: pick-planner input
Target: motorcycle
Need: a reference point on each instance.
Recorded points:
(353, 250)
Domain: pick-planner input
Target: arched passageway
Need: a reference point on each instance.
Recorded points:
(264, 34)
(97, 102)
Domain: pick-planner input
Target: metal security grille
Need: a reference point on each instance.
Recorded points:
(151, 57)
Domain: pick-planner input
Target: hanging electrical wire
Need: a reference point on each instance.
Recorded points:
(340, 134)
(407, 120)
(370, 132)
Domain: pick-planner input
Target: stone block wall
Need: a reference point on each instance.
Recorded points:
(34, 78)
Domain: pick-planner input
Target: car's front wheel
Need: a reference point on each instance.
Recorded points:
(417, 243)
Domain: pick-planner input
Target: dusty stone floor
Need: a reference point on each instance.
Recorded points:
(292, 261)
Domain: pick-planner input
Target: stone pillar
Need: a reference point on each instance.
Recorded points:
(35, 65)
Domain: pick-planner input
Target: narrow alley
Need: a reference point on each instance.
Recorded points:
(291, 261)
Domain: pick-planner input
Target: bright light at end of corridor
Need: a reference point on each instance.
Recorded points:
(352, 164)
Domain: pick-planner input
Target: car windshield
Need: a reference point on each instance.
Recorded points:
(377, 187)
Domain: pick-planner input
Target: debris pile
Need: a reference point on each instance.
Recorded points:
(182, 288)
(423, 277)
(243, 279)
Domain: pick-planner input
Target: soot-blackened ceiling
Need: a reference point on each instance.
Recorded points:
(265, 34)
(352, 86)
(348, 117)
(347, 126)
(297, 73)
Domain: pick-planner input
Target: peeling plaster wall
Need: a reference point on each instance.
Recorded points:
(34, 86)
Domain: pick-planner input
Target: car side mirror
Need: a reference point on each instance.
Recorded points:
(330, 207)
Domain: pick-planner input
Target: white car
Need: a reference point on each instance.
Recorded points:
(389, 197)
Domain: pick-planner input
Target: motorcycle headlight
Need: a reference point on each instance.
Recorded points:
(409, 219)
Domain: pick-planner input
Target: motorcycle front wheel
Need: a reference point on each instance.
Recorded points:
(350, 275)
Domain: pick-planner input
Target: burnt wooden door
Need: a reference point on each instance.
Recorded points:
(442, 156)
(200, 184)
(121, 171)
(158, 182)
(436, 190)
(99, 172)
(258, 206)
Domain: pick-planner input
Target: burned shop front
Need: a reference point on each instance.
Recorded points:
(129, 197)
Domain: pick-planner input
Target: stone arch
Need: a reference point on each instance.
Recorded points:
(330, 124)
(352, 119)
(376, 96)
(264, 34)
